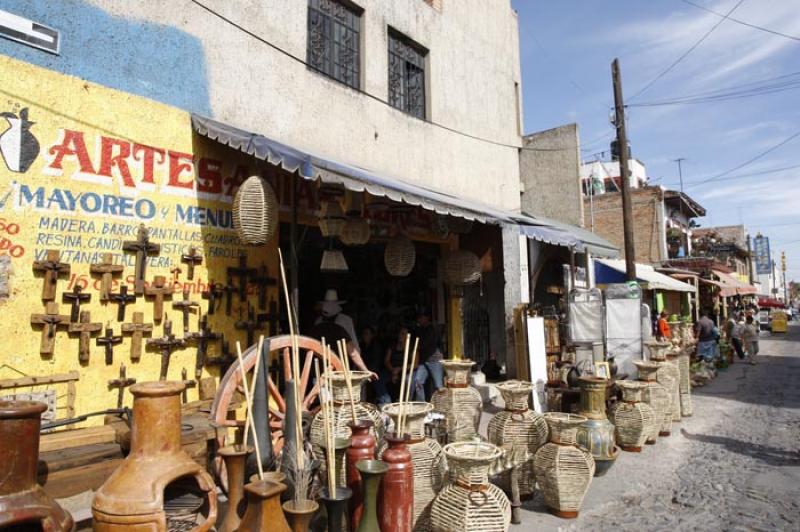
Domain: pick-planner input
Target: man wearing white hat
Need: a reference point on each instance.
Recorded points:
(332, 314)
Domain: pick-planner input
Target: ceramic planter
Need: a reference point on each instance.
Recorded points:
(596, 434)
(234, 457)
(396, 498)
(362, 447)
(336, 508)
(264, 512)
(299, 515)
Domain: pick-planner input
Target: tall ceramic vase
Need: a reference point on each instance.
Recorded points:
(469, 502)
(459, 403)
(596, 434)
(372, 472)
(396, 498)
(634, 421)
(234, 457)
(362, 447)
(264, 508)
(659, 399)
(426, 457)
(564, 470)
(519, 430)
(336, 508)
(23, 503)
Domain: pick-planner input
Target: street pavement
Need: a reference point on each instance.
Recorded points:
(733, 465)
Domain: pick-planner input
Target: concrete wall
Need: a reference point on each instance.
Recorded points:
(551, 177)
(180, 54)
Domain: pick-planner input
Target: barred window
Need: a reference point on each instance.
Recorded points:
(406, 74)
(334, 43)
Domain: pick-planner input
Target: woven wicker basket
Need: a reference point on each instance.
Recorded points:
(634, 421)
(564, 470)
(657, 396)
(399, 256)
(686, 382)
(331, 219)
(356, 231)
(427, 459)
(519, 430)
(670, 377)
(333, 261)
(458, 402)
(255, 212)
(461, 267)
(469, 502)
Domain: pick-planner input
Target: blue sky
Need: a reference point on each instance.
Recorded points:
(566, 50)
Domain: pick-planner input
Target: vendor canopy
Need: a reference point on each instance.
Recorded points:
(562, 234)
(731, 286)
(613, 271)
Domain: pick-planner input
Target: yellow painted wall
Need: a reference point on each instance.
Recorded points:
(47, 207)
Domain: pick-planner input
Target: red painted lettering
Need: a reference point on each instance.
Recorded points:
(108, 160)
(179, 165)
(209, 176)
(72, 145)
(148, 160)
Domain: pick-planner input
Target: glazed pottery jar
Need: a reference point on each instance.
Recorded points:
(458, 402)
(133, 496)
(372, 472)
(469, 502)
(23, 502)
(264, 510)
(426, 458)
(634, 421)
(234, 457)
(362, 447)
(396, 498)
(564, 470)
(657, 397)
(519, 430)
(596, 434)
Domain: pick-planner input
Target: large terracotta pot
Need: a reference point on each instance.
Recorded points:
(596, 434)
(362, 447)
(396, 499)
(133, 496)
(460, 403)
(234, 457)
(22, 500)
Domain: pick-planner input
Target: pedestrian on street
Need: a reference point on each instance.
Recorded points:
(734, 328)
(706, 339)
(750, 337)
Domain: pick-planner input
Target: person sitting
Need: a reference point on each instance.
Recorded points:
(664, 332)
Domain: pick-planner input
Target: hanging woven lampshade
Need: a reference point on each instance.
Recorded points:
(255, 211)
(333, 261)
(399, 256)
(356, 231)
(459, 225)
(331, 218)
(461, 267)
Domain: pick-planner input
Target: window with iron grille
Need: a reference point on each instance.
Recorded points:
(334, 42)
(406, 75)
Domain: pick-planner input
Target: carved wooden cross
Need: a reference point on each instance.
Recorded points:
(272, 317)
(175, 274)
(243, 272)
(185, 306)
(204, 336)
(191, 259)
(85, 329)
(51, 320)
(75, 298)
(122, 299)
(121, 383)
(107, 270)
(108, 341)
(262, 281)
(229, 290)
(136, 329)
(213, 295)
(167, 345)
(159, 290)
(188, 383)
(251, 325)
(142, 247)
(53, 269)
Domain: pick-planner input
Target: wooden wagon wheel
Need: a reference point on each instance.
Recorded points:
(232, 380)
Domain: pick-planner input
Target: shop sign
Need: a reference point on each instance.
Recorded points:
(762, 255)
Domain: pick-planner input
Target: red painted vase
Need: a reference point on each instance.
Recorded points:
(362, 447)
(396, 499)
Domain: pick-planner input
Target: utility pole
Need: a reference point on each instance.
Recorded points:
(622, 146)
(783, 270)
(680, 203)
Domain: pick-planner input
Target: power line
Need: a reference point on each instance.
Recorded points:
(687, 52)
(742, 176)
(720, 95)
(742, 22)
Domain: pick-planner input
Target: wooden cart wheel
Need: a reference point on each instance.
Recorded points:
(231, 382)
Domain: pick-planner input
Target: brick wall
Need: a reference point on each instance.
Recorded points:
(648, 224)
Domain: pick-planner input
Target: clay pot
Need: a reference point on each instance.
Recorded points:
(371, 473)
(396, 499)
(362, 447)
(596, 434)
(234, 457)
(300, 515)
(336, 507)
(264, 513)
(22, 500)
(133, 496)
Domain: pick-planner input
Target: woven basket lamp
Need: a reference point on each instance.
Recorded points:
(461, 267)
(563, 469)
(356, 231)
(633, 420)
(399, 256)
(428, 462)
(331, 219)
(255, 211)
(469, 502)
(669, 376)
(459, 403)
(657, 396)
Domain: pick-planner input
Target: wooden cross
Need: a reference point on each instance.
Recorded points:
(159, 290)
(188, 383)
(142, 247)
(121, 383)
(191, 259)
(228, 289)
(204, 336)
(213, 295)
(136, 329)
(262, 281)
(185, 306)
(272, 317)
(75, 298)
(108, 341)
(122, 299)
(251, 325)
(107, 270)
(85, 329)
(175, 273)
(243, 273)
(51, 320)
(167, 345)
(53, 269)
(224, 359)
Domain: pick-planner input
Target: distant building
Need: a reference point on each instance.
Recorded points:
(728, 244)
(604, 176)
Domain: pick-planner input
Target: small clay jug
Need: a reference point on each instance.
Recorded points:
(362, 447)
(396, 499)
(234, 457)
(264, 513)
(372, 472)
(299, 514)
(336, 507)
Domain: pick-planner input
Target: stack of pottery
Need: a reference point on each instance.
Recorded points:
(469, 502)
(519, 430)
(670, 377)
(684, 363)
(634, 421)
(657, 396)
(596, 434)
(458, 402)
(564, 470)
(426, 458)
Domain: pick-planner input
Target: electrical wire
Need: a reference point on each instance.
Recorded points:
(740, 176)
(742, 22)
(721, 96)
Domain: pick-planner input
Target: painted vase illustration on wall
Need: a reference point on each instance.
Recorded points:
(458, 402)
(564, 470)
(596, 434)
(18, 145)
(634, 421)
(655, 395)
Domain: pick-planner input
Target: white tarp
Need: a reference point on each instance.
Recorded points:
(624, 332)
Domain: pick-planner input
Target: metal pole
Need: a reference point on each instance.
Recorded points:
(622, 146)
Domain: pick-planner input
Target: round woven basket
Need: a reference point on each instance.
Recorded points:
(657, 396)
(255, 212)
(461, 267)
(331, 219)
(634, 421)
(400, 256)
(459, 403)
(356, 231)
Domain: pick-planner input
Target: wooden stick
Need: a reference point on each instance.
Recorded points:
(348, 378)
(330, 452)
(410, 382)
(249, 404)
(402, 386)
(300, 462)
(253, 386)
